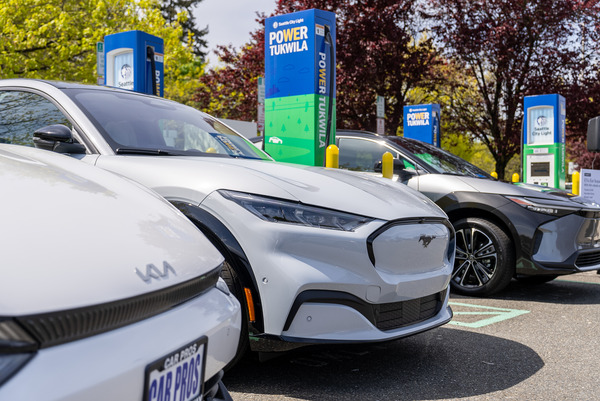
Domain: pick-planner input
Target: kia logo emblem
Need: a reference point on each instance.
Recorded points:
(153, 272)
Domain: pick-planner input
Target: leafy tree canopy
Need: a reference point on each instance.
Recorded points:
(513, 48)
(192, 36)
(55, 39)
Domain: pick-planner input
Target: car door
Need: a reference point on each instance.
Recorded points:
(365, 154)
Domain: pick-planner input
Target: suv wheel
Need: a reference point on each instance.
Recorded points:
(230, 277)
(485, 260)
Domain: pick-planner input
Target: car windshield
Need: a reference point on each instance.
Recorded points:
(137, 124)
(439, 160)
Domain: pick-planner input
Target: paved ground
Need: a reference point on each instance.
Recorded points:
(526, 343)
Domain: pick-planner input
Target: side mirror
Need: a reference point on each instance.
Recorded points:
(57, 138)
(398, 167)
(593, 135)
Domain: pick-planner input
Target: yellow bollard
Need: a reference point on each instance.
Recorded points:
(575, 185)
(387, 165)
(515, 177)
(494, 174)
(332, 156)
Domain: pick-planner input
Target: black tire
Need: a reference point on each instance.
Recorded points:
(535, 280)
(485, 258)
(231, 278)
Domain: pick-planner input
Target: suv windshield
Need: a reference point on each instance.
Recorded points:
(439, 160)
(133, 123)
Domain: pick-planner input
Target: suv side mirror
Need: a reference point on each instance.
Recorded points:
(593, 135)
(398, 166)
(57, 138)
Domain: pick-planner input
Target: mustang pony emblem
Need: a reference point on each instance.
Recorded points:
(426, 239)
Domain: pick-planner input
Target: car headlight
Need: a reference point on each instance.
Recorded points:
(283, 211)
(16, 349)
(554, 208)
(222, 286)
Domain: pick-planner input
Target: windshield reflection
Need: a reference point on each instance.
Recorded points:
(135, 124)
(439, 160)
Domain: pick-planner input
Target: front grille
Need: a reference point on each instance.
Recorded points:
(399, 314)
(588, 259)
(388, 316)
(60, 327)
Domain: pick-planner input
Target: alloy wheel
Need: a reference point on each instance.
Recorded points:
(476, 258)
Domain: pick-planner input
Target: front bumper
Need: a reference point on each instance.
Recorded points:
(110, 366)
(567, 245)
(331, 317)
(302, 272)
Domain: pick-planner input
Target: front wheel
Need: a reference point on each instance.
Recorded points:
(235, 286)
(485, 259)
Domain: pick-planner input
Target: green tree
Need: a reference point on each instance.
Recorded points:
(192, 36)
(55, 39)
(456, 93)
(512, 48)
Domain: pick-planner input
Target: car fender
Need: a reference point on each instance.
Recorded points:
(225, 242)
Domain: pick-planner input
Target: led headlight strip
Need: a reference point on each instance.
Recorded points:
(17, 347)
(284, 211)
(538, 205)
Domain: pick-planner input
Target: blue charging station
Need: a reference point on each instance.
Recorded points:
(134, 60)
(300, 86)
(422, 122)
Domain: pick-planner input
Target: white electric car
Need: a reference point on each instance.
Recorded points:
(315, 255)
(106, 291)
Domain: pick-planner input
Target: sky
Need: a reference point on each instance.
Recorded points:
(229, 21)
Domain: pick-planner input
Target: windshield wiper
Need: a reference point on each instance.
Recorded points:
(453, 173)
(246, 157)
(138, 151)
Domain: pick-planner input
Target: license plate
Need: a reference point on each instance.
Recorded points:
(178, 376)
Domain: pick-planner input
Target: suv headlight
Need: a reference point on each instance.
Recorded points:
(16, 349)
(554, 208)
(284, 211)
(222, 286)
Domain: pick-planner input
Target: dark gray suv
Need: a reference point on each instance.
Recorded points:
(528, 232)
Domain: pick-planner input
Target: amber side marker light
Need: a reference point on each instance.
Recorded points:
(250, 303)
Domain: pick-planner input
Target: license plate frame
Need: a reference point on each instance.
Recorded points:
(180, 370)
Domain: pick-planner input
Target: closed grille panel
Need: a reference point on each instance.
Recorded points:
(399, 314)
(588, 259)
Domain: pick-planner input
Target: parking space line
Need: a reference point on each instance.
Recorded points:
(489, 315)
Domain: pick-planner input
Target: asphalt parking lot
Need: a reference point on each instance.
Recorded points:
(525, 343)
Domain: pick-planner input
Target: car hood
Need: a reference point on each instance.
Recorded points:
(73, 235)
(193, 178)
(525, 190)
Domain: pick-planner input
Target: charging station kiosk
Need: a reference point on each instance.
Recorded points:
(422, 122)
(134, 60)
(544, 140)
(300, 86)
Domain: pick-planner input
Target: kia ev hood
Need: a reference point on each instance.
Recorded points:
(74, 235)
(193, 178)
